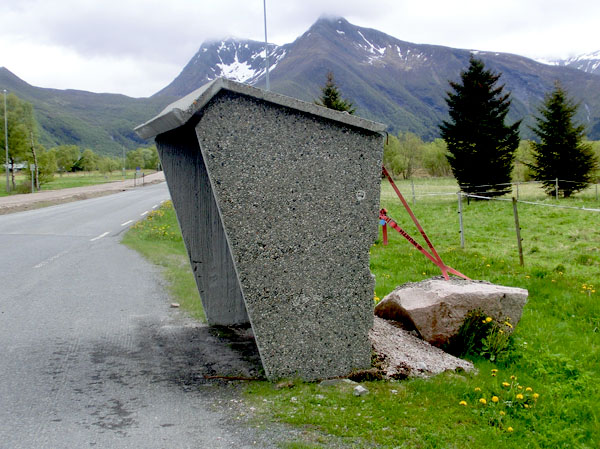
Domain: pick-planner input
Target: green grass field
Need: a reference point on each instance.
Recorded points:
(78, 179)
(556, 353)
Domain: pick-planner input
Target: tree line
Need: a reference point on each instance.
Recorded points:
(480, 149)
(26, 154)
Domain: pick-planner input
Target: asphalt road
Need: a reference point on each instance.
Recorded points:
(91, 355)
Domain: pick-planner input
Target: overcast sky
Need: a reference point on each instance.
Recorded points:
(137, 47)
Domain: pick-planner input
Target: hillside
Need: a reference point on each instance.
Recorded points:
(103, 122)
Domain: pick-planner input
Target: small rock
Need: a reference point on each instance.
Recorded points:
(293, 399)
(359, 390)
(332, 382)
(284, 384)
(394, 391)
(174, 305)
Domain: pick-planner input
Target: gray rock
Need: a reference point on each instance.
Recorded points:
(436, 308)
(402, 355)
(359, 390)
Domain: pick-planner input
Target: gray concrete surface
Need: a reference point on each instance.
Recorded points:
(91, 355)
(281, 196)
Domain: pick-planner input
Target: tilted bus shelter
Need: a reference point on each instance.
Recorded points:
(278, 204)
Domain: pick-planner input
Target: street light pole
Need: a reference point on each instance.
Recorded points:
(6, 142)
(266, 43)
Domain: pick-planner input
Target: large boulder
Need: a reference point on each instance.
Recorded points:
(436, 308)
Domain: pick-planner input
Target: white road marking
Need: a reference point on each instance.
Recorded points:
(99, 237)
(51, 259)
(143, 213)
(155, 206)
(126, 223)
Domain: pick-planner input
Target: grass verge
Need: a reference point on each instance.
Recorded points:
(158, 238)
(556, 343)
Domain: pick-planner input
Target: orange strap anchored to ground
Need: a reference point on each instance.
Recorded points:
(433, 256)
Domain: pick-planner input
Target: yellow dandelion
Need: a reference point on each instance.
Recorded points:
(423, 273)
(487, 265)
(483, 401)
(520, 387)
(495, 398)
(513, 377)
(509, 429)
(502, 413)
(477, 389)
(506, 323)
(528, 389)
(505, 384)
(463, 403)
(488, 319)
(526, 405)
(519, 396)
(535, 395)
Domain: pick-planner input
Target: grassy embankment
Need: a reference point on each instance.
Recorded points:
(556, 343)
(79, 179)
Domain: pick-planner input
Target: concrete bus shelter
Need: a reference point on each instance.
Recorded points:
(278, 203)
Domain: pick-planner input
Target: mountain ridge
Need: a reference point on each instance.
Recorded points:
(399, 83)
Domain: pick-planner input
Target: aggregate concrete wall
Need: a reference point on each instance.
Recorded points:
(201, 227)
(284, 195)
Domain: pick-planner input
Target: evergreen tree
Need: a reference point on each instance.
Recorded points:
(331, 97)
(481, 146)
(561, 152)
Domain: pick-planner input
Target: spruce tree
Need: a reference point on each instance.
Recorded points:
(331, 97)
(561, 153)
(481, 146)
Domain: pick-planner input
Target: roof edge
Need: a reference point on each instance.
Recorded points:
(181, 111)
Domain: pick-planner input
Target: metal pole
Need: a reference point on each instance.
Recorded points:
(266, 42)
(412, 185)
(123, 163)
(32, 179)
(518, 229)
(460, 221)
(517, 190)
(556, 188)
(6, 142)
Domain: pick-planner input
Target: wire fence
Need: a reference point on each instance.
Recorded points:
(436, 191)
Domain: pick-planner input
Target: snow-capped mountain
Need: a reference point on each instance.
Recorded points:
(589, 62)
(238, 60)
(391, 81)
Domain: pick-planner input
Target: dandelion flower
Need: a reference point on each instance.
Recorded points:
(513, 377)
(488, 319)
(462, 403)
(483, 401)
(502, 413)
(519, 396)
(506, 323)
(526, 405)
(505, 384)
(494, 371)
(495, 399)
(535, 395)
(509, 429)
(477, 389)
(528, 389)
(520, 387)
